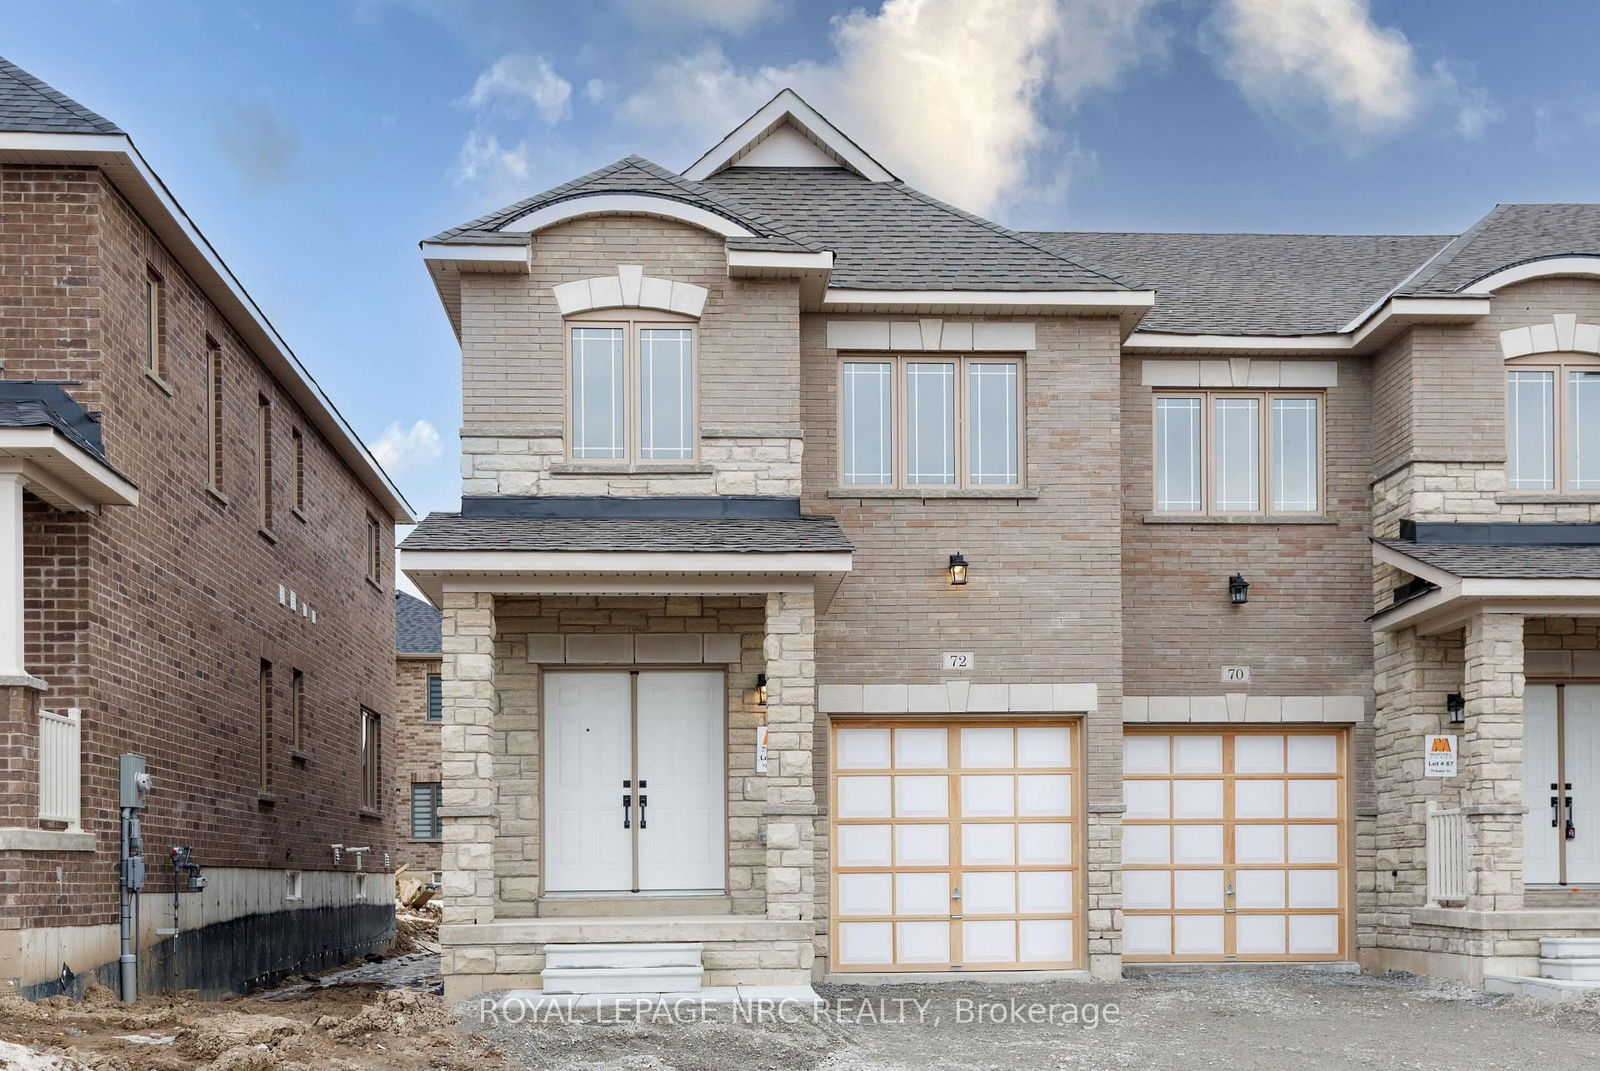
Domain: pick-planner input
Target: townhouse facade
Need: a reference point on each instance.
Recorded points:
(415, 824)
(195, 568)
(845, 585)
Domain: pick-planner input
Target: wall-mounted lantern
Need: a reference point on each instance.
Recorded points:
(958, 570)
(761, 689)
(1238, 590)
(1455, 708)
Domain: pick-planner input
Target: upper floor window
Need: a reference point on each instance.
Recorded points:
(214, 414)
(631, 391)
(426, 823)
(1232, 452)
(374, 549)
(155, 327)
(917, 422)
(1553, 425)
(297, 477)
(435, 697)
(264, 461)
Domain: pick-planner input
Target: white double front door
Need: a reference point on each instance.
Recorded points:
(634, 781)
(1561, 784)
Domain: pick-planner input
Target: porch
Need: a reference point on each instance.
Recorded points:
(1483, 863)
(628, 747)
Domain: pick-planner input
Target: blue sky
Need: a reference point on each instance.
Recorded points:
(316, 141)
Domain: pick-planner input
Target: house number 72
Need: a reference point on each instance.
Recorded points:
(958, 660)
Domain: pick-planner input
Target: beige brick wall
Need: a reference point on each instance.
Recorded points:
(417, 758)
(513, 343)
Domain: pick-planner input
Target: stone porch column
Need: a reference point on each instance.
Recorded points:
(1491, 759)
(791, 717)
(467, 810)
(11, 637)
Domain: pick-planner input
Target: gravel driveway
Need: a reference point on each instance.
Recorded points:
(1266, 1020)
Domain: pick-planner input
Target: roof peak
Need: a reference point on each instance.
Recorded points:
(786, 131)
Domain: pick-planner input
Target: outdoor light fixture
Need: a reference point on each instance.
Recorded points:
(1238, 590)
(958, 570)
(1456, 708)
(761, 689)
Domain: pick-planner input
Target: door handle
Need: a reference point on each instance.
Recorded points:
(627, 812)
(644, 801)
(1555, 812)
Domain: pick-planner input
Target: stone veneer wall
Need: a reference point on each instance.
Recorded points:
(516, 742)
(1414, 673)
(732, 462)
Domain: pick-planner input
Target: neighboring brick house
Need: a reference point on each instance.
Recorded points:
(846, 584)
(418, 718)
(195, 567)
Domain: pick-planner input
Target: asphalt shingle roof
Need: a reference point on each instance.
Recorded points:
(1253, 284)
(1481, 561)
(1510, 235)
(886, 235)
(632, 174)
(418, 627)
(33, 404)
(762, 535)
(28, 105)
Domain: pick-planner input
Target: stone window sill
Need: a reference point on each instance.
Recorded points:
(1238, 518)
(158, 381)
(934, 492)
(426, 840)
(266, 799)
(220, 498)
(297, 756)
(370, 815)
(1548, 498)
(666, 468)
(267, 534)
(46, 840)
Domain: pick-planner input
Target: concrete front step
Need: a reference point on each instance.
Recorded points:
(1571, 970)
(594, 980)
(1569, 948)
(632, 906)
(1539, 988)
(623, 956)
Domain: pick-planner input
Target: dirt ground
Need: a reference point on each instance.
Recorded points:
(388, 1016)
(385, 1015)
(1252, 1021)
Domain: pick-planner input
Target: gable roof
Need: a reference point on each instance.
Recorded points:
(1507, 236)
(418, 627)
(887, 235)
(27, 104)
(787, 109)
(1254, 284)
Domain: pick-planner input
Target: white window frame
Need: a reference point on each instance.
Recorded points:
(1208, 451)
(631, 325)
(898, 426)
(1560, 365)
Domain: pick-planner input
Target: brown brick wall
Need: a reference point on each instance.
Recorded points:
(417, 758)
(153, 619)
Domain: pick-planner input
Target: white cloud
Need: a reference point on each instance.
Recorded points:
(482, 156)
(948, 93)
(516, 82)
(1327, 66)
(735, 16)
(400, 448)
(596, 90)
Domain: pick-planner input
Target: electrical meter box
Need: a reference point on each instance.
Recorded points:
(135, 782)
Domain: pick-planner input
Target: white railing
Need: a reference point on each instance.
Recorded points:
(60, 777)
(1448, 872)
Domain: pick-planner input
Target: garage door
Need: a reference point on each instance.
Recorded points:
(955, 845)
(1235, 846)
